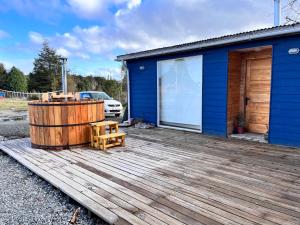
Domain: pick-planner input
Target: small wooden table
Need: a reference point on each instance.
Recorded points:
(98, 134)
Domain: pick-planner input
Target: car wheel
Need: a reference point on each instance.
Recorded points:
(117, 115)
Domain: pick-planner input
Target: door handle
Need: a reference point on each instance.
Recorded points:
(246, 100)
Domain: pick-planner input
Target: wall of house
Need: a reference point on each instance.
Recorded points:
(143, 94)
(234, 89)
(285, 94)
(143, 89)
(285, 89)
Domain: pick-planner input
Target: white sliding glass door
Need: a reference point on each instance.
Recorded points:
(180, 92)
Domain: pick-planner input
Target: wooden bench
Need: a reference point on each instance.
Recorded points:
(111, 140)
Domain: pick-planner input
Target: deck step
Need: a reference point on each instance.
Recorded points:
(111, 140)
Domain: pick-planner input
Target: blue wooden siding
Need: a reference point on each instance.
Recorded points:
(285, 90)
(285, 98)
(215, 92)
(143, 90)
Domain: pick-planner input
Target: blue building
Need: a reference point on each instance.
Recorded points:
(219, 86)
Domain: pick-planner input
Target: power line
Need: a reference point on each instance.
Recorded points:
(291, 10)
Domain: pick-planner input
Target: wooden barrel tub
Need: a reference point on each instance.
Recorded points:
(60, 125)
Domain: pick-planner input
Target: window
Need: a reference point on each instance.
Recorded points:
(180, 92)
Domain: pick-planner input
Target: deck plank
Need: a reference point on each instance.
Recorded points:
(157, 180)
(187, 185)
(56, 168)
(157, 183)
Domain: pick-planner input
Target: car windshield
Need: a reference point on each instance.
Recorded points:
(100, 95)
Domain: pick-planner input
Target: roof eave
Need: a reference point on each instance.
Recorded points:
(281, 31)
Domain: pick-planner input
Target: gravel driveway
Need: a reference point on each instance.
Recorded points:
(14, 124)
(26, 199)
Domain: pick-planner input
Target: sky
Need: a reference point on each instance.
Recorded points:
(91, 33)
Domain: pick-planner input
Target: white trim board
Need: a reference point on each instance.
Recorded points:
(128, 93)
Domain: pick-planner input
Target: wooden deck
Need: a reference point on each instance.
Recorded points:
(172, 177)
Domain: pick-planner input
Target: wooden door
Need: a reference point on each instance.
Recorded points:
(257, 98)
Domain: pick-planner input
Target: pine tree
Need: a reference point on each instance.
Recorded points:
(3, 76)
(46, 71)
(16, 80)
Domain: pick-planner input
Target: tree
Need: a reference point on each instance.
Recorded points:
(71, 84)
(3, 76)
(112, 88)
(46, 71)
(16, 80)
(291, 11)
(123, 84)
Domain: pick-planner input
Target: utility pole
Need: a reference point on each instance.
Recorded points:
(277, 12)
(64, 80)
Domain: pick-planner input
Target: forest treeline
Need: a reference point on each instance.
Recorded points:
(46, 76)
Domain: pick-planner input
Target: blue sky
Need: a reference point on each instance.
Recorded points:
(92, 32)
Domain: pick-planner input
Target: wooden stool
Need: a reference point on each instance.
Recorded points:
(101, 140)
(111, 140)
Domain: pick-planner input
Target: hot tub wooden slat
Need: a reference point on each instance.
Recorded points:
(64, 121)
(72, 129)
(41, 122)
(56, 125)
(52, 121)
(57, 121)
(94, 112)
(79, 128)
(46, 121)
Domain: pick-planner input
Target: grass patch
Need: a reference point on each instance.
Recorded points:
(13, 104)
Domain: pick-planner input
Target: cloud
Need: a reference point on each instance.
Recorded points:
(94, 70)
(144, 25)
(136, 25)
(69, 40)
(92, 9)
(162, 23)
(95, 39)
(49, 11)
(3, 34)
(109, 27)
(63, 52)
(133, 3)
(87, 8)
(24, 64)
(83, 56)
(36, 37)
(8, 65)
(107, 72)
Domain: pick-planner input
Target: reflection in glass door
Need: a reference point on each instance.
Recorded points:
(180, 92)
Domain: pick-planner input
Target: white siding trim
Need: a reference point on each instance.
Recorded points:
(128, 94)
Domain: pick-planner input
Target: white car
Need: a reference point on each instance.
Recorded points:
(111, 106)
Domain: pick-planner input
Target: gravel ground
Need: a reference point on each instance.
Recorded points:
(26, 199)
(14, 129)
(14, 124)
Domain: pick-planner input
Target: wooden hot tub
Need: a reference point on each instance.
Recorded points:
(60, 125)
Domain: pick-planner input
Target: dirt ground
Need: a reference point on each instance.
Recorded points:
(13, 104)
(13, 119)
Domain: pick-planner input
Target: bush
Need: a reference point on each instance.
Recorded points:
(33, 97)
